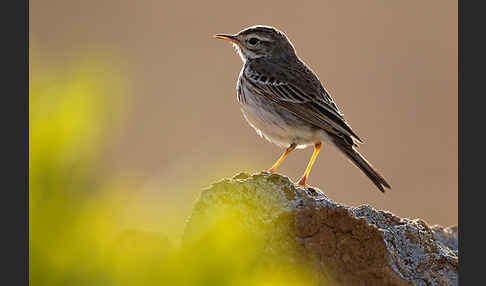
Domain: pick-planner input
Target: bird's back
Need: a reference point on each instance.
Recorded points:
(291, 84)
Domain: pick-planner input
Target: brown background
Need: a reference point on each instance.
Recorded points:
(391, 66)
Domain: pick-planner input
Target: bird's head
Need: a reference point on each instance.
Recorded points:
(260, 41)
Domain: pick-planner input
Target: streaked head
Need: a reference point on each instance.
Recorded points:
(260, 41)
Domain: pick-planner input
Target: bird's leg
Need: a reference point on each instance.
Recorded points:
(317, 149)
(280, 160)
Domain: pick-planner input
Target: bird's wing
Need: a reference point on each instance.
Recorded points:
(306, 99)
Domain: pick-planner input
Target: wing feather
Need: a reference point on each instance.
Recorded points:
(315, 107)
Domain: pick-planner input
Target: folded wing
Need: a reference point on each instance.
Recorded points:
(311, 102)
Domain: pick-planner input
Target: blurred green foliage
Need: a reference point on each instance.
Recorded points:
(83, 225)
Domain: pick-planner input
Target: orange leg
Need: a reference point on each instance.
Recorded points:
(317, 149)
(274, 167)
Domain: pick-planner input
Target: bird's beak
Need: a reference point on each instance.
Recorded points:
(230, 38)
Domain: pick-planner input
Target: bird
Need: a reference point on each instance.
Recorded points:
(286, 103)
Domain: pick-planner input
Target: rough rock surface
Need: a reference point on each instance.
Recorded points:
(346, 245)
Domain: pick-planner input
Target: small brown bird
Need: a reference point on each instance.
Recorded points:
(284, 101)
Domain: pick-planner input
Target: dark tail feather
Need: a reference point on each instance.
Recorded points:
(365, 166)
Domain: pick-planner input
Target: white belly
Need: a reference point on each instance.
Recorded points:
(281, 131)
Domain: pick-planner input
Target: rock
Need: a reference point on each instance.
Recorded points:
(344, 245)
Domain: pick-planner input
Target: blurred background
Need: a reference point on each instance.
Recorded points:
(133, 111)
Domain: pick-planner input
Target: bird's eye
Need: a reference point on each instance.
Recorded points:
(253, 41)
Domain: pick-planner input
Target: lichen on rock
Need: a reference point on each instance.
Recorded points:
(340, 244)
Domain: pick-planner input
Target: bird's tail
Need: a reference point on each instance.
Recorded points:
(360, 161)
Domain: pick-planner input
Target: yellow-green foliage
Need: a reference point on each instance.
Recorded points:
(84, 226)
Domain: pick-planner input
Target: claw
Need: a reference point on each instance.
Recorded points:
(303, 185)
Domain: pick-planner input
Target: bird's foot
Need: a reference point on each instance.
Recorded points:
(303, 185)
(310, 189)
